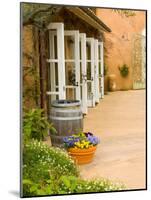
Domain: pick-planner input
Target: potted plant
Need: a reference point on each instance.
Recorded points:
(124, 71)
(81, 146)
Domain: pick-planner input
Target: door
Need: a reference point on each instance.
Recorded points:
(101, 69)
(83, 72)
(72, 64)
(90, 72)
(56, 71)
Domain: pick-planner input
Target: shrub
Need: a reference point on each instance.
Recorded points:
(105, 70)
(35, 125)
(71, 184)
(50, 170)
(124, 70)
(42, 163)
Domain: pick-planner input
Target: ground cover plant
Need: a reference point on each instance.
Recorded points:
(50, 170)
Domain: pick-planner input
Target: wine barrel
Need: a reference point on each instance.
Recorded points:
(67, 119)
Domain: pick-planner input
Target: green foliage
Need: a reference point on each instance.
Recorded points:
(105, 69)
(49, 170)
(43, 166)
(125, 13)
(38, 13)
(35, 125)
(31, 188)
(124, 70)
(71, 184)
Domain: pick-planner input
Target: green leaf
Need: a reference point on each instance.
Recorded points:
(27, 182)
(33, 188)
(66, 181)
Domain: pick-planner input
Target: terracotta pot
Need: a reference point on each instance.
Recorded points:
(82, 156)
(112, 82)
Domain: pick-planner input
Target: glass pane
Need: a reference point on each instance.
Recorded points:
(100, 85)
(88, 71)
(81, 91)
(99, 68)
(89, 90)
(80, 72)
(88, 51)
(80, 50)
(53, 77)
(70, 73)
(56, 77)
(99, 52)
(69, 47)
(53, 50)
(70, 93)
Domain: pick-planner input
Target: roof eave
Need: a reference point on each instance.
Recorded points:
(90, 18)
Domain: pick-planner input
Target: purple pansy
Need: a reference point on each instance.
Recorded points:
(69, 141)
(93, 139)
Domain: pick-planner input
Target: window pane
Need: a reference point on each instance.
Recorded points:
(70, 93)
(88, 71)
(70, 73)
(99, 52)
(69, 47)
(53, 50)
(88, 51)
(89, 90)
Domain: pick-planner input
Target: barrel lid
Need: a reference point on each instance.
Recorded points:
(65, 103)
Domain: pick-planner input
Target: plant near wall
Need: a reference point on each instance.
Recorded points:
(42, 168)
(81, 146)
(50, 170)
(71, 185)
(105, 69)
(35, 125)
(124, 12)
(124, 70)
(31, 91)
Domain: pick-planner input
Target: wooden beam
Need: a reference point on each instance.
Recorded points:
(42, 62)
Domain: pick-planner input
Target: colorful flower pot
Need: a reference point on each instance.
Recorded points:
(82, 156)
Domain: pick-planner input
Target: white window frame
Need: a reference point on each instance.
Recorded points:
(96, 73)
(59, 27)
(84, 73)
(91, 102)
(76, 61)
(101, 77)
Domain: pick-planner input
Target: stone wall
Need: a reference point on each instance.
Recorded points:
(30, 67)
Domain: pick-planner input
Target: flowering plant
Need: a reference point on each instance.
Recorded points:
(81, 140)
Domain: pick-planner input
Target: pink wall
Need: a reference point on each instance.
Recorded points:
(119, 43)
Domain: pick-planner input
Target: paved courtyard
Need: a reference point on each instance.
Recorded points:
(119, 121)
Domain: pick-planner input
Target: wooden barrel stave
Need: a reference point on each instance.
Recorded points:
(67, 120)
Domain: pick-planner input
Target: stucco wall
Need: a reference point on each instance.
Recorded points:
(119, 43)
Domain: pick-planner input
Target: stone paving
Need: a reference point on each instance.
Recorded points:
(119, 121)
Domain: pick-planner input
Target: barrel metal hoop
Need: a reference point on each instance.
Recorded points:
(66, 118)
(67, 111)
